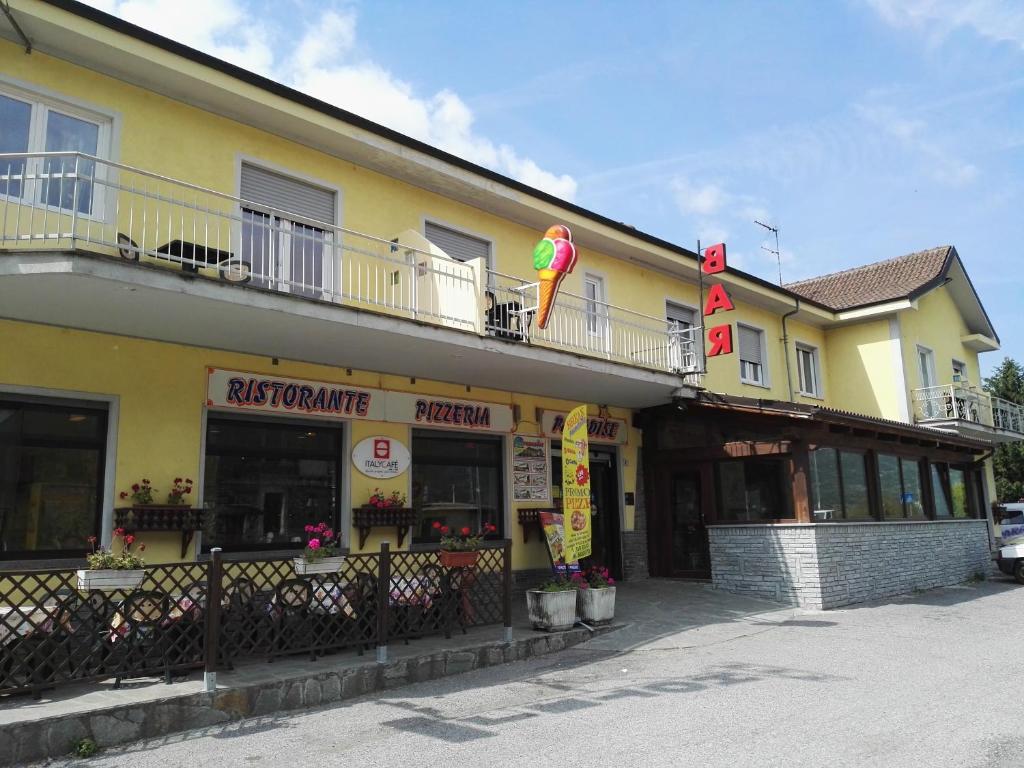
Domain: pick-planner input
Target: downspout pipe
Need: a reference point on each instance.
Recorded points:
(785, 349)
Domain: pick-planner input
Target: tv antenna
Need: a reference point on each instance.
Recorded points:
(776, 251)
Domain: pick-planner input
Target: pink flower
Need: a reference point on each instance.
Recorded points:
(328, 534)
(314, 544)
(309, 528)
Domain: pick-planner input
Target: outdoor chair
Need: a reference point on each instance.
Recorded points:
(140, 641)
(293, 627)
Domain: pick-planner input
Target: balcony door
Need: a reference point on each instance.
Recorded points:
(282, 243)
(682, 346)
(596, 312)
(932, 400)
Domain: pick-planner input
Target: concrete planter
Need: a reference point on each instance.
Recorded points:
(551, 611)
(327, 565)
(110, 580)
(596, 606)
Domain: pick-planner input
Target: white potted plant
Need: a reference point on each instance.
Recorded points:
(110, 572)
(596, 595)
(321, 554)
(552, 606)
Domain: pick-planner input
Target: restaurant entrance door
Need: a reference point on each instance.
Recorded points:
(690, 552)
(604, 508)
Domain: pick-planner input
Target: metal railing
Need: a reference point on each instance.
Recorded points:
(68, 199)
(962, 402)
(185, 616)
(590, 327)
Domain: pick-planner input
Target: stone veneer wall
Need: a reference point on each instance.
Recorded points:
(634, 543)
(828, 565)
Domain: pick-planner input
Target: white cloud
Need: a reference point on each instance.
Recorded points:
(702, 199)
(992, 19)
(326, 63)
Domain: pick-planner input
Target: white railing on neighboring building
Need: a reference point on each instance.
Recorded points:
(71, 200)
(962, 402)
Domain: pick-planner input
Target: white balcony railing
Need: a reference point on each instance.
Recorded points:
(590, 327)
(964, 403)
(72, 200)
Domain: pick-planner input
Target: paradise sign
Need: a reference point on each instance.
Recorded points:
(576, 485)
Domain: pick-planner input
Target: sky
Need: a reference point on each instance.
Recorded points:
(862, 129)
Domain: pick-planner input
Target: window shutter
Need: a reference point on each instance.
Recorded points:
(458, 245)
(259, 185)
(682, 316)
(750, 345)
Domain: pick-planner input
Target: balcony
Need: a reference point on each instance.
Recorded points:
(77, 215)
(969, 411)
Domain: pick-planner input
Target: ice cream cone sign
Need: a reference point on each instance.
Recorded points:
(553, 257)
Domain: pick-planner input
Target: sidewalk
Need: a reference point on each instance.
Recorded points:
(650, 615)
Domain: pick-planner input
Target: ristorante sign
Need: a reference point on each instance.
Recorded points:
(280, 396)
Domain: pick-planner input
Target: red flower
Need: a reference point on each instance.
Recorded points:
(124, 494)
(135, 487)
(119, 531)
(91, 539)
(437, 525)
(444, 529)
(466, 531)
(129, 539)
(177, 480)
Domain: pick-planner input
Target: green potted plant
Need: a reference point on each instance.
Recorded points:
(552, 605)
(461, 549)
(112, 572)
(322, 553)
(596, 595)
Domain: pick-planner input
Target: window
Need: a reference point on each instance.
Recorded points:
(456, 480)
(950, 490)
(839, 485)
(458, 245)
(808, 366)
(683, 352)
(596, 310)
(899, 484)
(958, 492)
(265, 480)
(752, 357)
(31, 124)
(939, 491)
(51, 477)
(959, 372)
(752, 489)
(287, 253)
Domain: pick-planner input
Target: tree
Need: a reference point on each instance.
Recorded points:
(1008, 461)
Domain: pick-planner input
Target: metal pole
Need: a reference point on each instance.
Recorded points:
(700, 309)
(383, 601)
(214, 576)
(506, 578)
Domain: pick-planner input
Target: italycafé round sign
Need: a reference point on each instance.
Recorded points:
(381, 457)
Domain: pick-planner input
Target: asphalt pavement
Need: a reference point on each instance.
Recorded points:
(697, 678)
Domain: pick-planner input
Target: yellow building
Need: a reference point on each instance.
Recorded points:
(209, 276)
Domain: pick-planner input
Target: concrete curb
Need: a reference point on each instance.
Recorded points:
(25, 742)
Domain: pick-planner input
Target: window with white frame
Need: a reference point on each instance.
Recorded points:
(31, 124)
(959, 372)
(596, 309)
(682, 342)
(809, 367)
(752, 356)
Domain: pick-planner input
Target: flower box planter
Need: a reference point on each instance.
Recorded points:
(551, 611)
(328, 565)
(596, 605)
(110, 580)
(146, 518)
(465, 558)
(367, 517)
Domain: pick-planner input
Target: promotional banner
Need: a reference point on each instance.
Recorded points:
(576, 484)
(553, 525)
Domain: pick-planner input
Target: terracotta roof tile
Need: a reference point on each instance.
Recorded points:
(882, 281)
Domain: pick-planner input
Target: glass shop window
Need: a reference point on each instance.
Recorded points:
(940, 491)
(958, 493)
(265, 480)
(839, 486)
(456, 480)
(51, 477)
(752, 489)
(899, 484)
